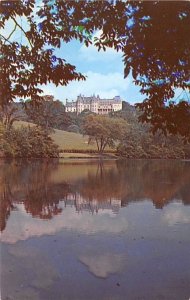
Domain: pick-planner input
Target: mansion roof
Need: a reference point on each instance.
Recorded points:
(88, 100)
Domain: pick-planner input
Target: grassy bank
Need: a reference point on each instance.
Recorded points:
(65, 140)
(68, 141)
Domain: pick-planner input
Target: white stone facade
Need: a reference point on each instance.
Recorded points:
(94, 104)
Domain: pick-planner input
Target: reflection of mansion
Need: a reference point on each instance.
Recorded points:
(94, 104)
(94, 205)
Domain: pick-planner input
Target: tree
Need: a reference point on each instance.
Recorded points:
(156, 47)
(77, 120)
(104, 130)
(31, 61)
(27, 142)
(48, 114)
(140, 143)
(9, 114)
(154, 38)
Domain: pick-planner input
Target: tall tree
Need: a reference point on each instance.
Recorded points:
(104, 130)
(9, 114)
(155, 40)
(153, 35)
(48, 114)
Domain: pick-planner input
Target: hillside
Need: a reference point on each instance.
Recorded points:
(70, 140)
(65, 140)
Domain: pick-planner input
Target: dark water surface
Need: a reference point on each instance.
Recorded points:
(88, 230)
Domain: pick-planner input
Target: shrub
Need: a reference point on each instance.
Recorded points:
(133, 150)
(28, 142)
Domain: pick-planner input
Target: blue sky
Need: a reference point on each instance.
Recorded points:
(104, 71)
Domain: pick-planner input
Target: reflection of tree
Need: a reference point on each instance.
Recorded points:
(42, 199)
(6, 194)
(29, 184)
(159, 181)
(111, 186)
(103, 186)
(6, 205)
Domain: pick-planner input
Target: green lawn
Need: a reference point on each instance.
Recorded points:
(70, 140)
(65, 140)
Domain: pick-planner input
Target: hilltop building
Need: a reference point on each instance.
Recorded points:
(94, 104)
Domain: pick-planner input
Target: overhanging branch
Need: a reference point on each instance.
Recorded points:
(12, 32)
(17, 24)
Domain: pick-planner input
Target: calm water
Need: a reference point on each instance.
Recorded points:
(115, 230)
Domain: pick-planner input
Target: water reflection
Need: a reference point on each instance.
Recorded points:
(46, 189)
(104, 264)
(95, 231)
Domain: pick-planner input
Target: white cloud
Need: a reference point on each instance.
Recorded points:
(177, 215)
(102, 265)
(104, 85)
(22, 226)
(91, 53)
(104, 71)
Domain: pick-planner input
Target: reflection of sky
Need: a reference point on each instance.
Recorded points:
(25, 285)
(81, 256)
(22, 226)
(104, 264)
(177, 214)
(135, 219)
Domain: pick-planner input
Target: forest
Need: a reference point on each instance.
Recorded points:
(121, 131)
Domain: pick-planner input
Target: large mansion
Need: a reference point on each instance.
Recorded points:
(94, 104)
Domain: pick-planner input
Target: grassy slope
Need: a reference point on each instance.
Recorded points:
(65, 140)
(70, 140)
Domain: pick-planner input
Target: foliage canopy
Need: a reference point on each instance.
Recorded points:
(154, 38)
(26, 142)
(104, 130)
(48, 114)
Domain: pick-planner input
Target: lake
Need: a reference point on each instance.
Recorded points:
(84, 230)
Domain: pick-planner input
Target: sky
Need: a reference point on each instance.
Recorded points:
(104, 71)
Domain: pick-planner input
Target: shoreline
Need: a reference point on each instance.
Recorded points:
(89, 158)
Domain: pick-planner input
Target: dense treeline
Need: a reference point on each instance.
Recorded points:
(136, 141)
(140, 142)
